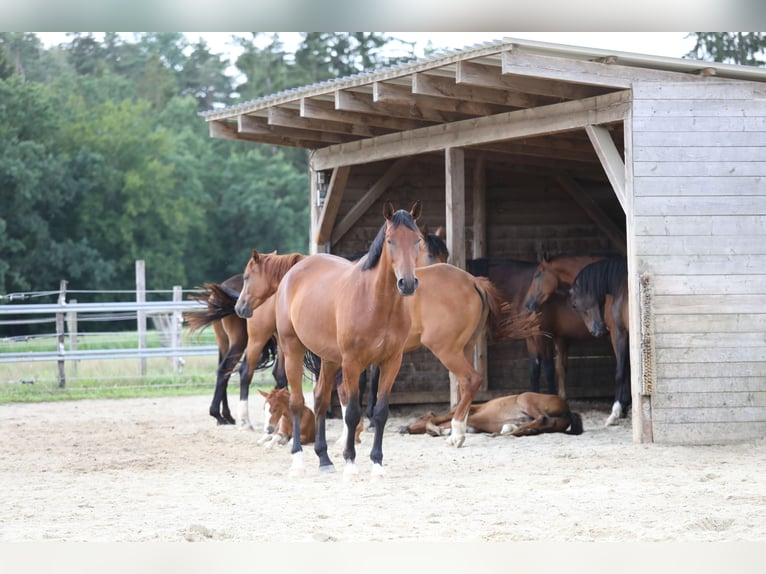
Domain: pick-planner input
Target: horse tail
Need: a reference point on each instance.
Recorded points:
(220, 303)
(502, 321)
(312, 362)
(575, 427)
(268, 355)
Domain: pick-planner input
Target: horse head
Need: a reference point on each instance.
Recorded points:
(588, 306)
(274, 407)
(544, 283)
(436, 249)
(402, 240)
(255, 288)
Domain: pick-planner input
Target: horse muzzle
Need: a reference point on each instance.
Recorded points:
(407, 286)
(243, 310)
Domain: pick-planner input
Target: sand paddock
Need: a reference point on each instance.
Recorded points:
(161, 470)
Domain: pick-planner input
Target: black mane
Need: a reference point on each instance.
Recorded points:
(400, 217)
(602, 277)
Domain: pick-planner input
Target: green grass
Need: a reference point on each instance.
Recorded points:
(114, 378)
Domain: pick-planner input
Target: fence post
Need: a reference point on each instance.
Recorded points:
(71, 327)
(176, 322)
(141, 314)
(60, 334)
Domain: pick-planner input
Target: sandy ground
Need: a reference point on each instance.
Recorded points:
(161, 470)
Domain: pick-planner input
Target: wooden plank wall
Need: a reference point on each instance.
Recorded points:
(529, 215)
(699, 226)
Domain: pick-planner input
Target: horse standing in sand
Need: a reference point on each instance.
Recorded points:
(588, 295)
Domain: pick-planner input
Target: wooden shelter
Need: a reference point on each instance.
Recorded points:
(522, 147)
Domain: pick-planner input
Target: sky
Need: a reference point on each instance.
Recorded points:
(672, 44)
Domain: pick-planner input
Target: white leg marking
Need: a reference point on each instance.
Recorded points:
(351, 471)
(244, 416)
(377, 471)
(297, 468)
(508, 428)
(341, 442)
(457, 436)
(616, 410)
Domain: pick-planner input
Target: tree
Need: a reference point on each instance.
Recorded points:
(732, 47)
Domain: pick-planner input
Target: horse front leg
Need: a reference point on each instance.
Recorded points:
(322, 397)
(388, 372)
(245, 377)
(352, 417)
(621, 380)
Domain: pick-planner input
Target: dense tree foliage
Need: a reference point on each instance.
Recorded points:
(104, 158)
(744, 48)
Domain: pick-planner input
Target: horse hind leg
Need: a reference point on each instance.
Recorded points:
(225, 367)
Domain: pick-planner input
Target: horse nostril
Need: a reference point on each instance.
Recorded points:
(405, 287)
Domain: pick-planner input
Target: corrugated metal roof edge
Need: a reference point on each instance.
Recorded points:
(727, 71)
(440, 59)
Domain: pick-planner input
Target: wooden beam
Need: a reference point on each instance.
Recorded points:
(585, 72)
(360, 102)
(335, 191)
(402, 95)
(289, 118)
(454, 167)
(578, 194)
(441, 87)
(361, 207)
(611, 160)
(259, 126)
(555, 118)
(496, 77)
(323, 110)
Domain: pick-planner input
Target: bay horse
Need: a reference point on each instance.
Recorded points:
(351, 315)
(517, 415)
(234, 336)
(277, 427)
(587, 295)
(449, 311)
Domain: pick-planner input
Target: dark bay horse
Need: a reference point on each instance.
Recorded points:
(547, 353)
(351, 315)
(518, 415)
(234, 336)
(596, 281)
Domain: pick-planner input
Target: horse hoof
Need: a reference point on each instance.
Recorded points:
(351, 472)
(377, 471)
(456, 441)
(327, 469)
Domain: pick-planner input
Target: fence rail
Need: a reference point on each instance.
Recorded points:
(167, 317)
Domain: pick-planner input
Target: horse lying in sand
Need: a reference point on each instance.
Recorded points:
(278, 424)
(517, 415)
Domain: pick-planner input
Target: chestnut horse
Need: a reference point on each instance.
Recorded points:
(518, 415)
(234, 336)
(588, 294)
(277, 426)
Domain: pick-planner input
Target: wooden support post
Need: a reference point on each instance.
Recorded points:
(60, 334)
(71, 326)
(141, 314)
(454, 162)
(478, 250)
(176, 323)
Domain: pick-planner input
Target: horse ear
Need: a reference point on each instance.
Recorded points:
(441, 233)
(415, 211)
(255, 256)
(388, 210)
(424, 230)
(262, 393)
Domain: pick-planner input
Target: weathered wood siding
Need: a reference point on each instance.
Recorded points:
(526, 216)
(699, 225)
